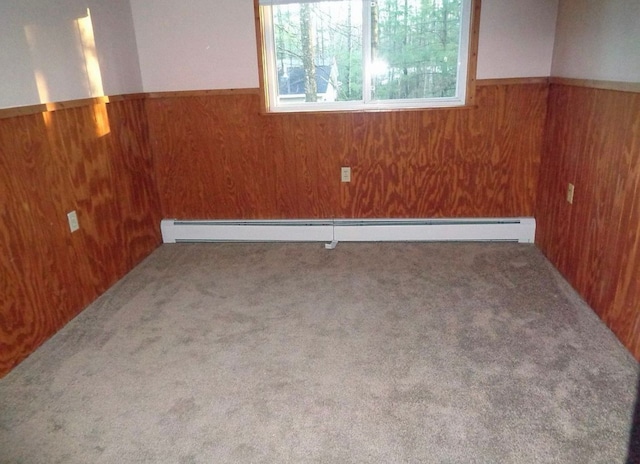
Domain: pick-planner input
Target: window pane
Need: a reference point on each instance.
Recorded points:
(414, 48)
(318, 49)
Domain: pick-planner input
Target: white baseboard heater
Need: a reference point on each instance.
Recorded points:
(351, 230)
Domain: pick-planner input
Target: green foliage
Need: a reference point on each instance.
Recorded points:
(419, 42)
(414, 45)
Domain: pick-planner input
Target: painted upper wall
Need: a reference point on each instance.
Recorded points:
(70, 49)
(210, 44)
(598, 40)
(516, 38)
(66, 50)
(196, 44)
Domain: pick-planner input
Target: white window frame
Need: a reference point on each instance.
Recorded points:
(270, 79)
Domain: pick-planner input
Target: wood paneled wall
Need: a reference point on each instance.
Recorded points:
(593, 141)
(217, 157)
(94, 159)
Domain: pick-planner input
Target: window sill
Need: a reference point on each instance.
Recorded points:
(368, 110)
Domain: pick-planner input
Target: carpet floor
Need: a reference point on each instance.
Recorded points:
(290, 353)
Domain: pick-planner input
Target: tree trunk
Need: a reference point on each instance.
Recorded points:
(375, 41)
(375, 31)
(350, 50)
(306, 30)
(405, 42)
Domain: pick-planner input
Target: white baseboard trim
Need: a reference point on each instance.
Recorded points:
(351, 230)
(174, 231)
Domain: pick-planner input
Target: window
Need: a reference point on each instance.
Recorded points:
(365, 54)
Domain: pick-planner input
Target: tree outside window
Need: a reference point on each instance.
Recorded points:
(333, 54)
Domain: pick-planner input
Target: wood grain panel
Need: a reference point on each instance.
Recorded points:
(94, 159)
(212, 154)
(217, 157)
(134, 182)
(481, 162)
(621, 86)
(28, 249)
(54, 106)
(593, 141)
(512, 81)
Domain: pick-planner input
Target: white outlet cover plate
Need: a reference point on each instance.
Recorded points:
(570, 192)
(74, 225)
(345, 174)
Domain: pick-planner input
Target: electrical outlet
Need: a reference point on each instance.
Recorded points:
(74, 225)
(570, 190)
(345, 174)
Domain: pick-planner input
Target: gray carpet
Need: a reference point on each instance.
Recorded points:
(290, 353)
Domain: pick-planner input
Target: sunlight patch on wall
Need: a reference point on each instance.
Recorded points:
(94, 74)
(41, 80)
(92, 65)
(39, 76)
(65, 64)
(101, 118)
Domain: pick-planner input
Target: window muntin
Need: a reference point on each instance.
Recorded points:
(365, 54)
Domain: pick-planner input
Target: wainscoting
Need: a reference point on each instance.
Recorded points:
(124, 163)
(593, 141)
(217, 157)
(95, 159)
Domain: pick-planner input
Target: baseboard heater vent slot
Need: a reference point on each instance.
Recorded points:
(246, 231)
(351, 230)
